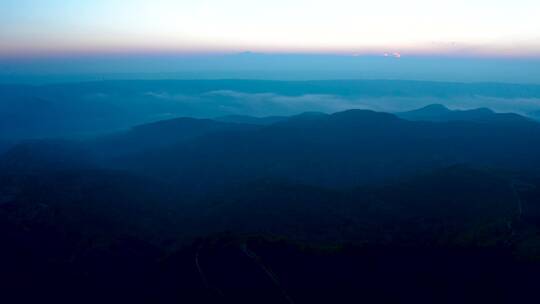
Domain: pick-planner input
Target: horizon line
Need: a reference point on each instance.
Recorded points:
(391, 53)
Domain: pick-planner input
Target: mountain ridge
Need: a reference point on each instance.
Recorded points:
(440, 113)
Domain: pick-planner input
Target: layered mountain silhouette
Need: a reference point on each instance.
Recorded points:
(440, 113)
(343, 149)
(90, 108)
(306, 208)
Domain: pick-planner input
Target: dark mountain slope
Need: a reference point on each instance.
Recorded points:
(47, 156)
(158, 135)
(108, 234)
(453, 206)
(343, 149)
(340, 150)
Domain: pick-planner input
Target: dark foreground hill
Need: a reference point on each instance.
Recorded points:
(458, 233)
(357, 206)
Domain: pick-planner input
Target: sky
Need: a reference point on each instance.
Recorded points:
(456, 27)
(457, 40)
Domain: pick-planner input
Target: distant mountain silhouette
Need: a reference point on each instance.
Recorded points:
(90, 108)
(438, 112)
(269, 120)
(535, 115)
(244, 119)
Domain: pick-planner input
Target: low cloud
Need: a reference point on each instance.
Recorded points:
(228, 102)
(273, 104)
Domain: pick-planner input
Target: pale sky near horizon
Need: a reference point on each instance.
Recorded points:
(456, 28)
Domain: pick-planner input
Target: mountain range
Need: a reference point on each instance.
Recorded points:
(91, 108)
(304, 208)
